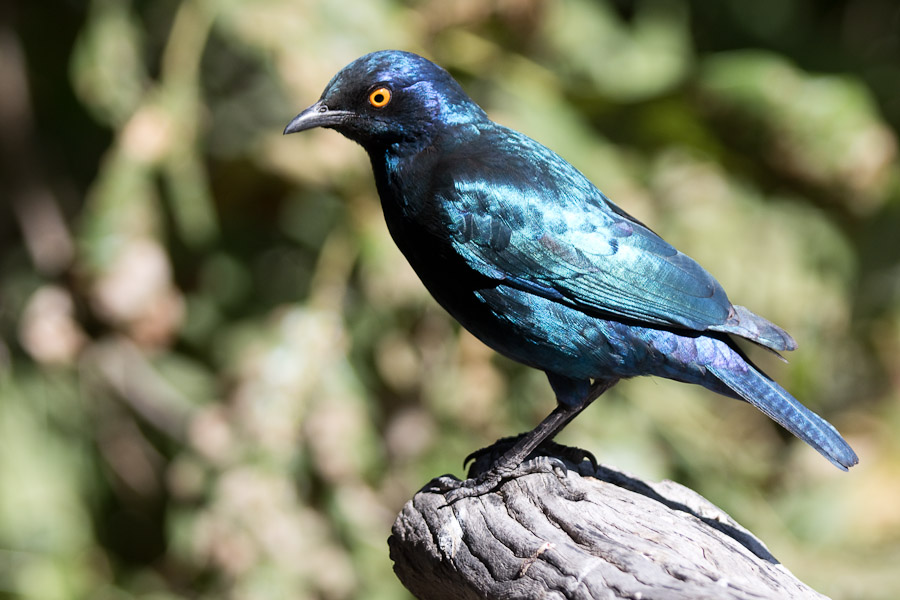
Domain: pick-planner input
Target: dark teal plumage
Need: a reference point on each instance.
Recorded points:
(534, 260)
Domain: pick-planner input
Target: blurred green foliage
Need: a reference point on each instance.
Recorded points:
(219, 378)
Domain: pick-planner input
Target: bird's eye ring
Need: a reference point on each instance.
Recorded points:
(380, 97)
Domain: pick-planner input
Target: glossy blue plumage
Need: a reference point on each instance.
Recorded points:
(534, 260)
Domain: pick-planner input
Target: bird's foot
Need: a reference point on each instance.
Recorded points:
(492, 479)
(488, 469)
(484, 459)
(574, 455)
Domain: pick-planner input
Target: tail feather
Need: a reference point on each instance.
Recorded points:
(748, 325)
(781, 407)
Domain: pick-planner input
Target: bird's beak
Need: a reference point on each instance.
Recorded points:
(317, 115)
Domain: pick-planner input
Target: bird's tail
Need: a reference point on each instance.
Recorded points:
(781, 407)
(753, 327)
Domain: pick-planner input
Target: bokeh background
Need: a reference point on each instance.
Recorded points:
(219, 378)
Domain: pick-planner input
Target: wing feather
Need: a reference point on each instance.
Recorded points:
(552, 230)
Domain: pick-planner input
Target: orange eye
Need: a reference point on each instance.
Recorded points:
(380, 97)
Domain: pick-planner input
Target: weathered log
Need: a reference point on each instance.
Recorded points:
(582, 532)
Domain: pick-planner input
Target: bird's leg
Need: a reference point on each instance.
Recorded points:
(568, 407)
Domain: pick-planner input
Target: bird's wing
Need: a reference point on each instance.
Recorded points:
(582, 251)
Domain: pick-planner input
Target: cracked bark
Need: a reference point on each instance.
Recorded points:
(590, 533)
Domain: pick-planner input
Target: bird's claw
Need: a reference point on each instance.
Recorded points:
(483, 459)
(442, 484)
(453, 489)
(491, 454)
(471, 488)
(576, 456)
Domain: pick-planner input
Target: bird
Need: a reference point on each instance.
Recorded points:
(537, 263)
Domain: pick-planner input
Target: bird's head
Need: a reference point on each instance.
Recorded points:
(389, 97)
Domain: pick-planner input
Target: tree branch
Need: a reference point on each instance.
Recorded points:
(582, 533)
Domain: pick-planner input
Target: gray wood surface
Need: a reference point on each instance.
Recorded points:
(582, 532)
